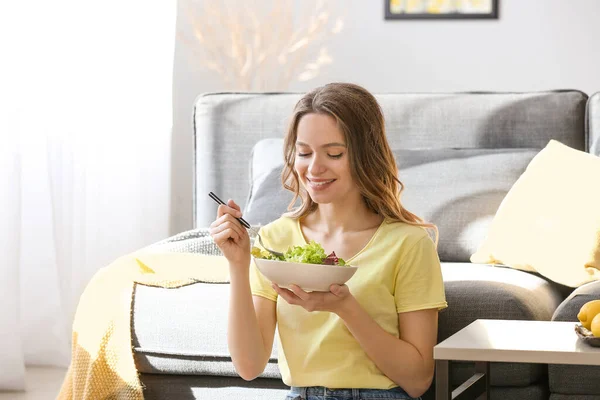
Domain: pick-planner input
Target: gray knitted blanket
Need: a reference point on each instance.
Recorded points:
(192, 241)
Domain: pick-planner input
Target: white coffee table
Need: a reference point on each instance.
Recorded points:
(485, 341)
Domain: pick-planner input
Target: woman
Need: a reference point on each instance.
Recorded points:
(374, 336)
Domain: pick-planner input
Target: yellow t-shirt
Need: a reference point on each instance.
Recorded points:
(398, 271)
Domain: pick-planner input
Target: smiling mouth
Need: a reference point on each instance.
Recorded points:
(320, 182)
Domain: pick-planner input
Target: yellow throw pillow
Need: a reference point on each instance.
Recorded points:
(549, 221)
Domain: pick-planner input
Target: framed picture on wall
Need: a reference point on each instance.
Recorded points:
(441, 9)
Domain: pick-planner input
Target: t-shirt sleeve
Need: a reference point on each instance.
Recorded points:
(419, 283)
(259, 284)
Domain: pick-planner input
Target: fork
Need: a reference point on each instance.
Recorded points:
(248, 226)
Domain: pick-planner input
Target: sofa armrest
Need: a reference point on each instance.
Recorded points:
(569, 308)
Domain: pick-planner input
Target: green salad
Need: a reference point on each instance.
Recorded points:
(311, 253)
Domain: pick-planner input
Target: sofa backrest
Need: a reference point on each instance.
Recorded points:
(472, 135)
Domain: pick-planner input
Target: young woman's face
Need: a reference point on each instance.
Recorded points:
(322, 161)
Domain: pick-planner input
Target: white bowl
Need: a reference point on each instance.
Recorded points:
(309, 277)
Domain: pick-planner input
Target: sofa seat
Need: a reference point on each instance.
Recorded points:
(575, 380)
(183, 331)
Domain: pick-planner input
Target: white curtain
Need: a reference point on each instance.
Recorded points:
(85, 139)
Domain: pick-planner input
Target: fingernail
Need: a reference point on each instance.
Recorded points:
(239, 214)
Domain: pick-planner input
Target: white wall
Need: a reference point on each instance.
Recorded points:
(534, 45)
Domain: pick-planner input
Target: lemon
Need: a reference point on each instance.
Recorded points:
(587, 313)
(596, 326)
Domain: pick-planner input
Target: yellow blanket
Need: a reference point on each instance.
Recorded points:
(102, 365)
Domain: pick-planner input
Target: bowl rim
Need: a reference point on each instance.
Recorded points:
(347, 266)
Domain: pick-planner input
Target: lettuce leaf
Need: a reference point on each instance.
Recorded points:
(311, 253)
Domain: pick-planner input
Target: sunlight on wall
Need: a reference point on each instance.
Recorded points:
(253, 47)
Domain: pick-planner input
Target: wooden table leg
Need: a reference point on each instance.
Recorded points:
(443, 389)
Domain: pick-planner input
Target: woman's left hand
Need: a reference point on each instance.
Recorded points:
(332, 301)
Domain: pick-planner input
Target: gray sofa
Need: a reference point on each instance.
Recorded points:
(458, 154)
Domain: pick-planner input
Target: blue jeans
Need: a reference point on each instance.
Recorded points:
(321, 393)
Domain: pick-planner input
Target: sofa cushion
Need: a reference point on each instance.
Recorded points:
(549, 222)
(459, 190)
(574, 379)
(490, 292)
(267, 199)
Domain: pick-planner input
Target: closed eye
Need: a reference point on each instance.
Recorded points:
(334, 156)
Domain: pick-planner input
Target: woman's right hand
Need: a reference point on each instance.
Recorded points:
(230, 236)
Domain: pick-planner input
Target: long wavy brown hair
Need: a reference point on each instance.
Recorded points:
(372, 163)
